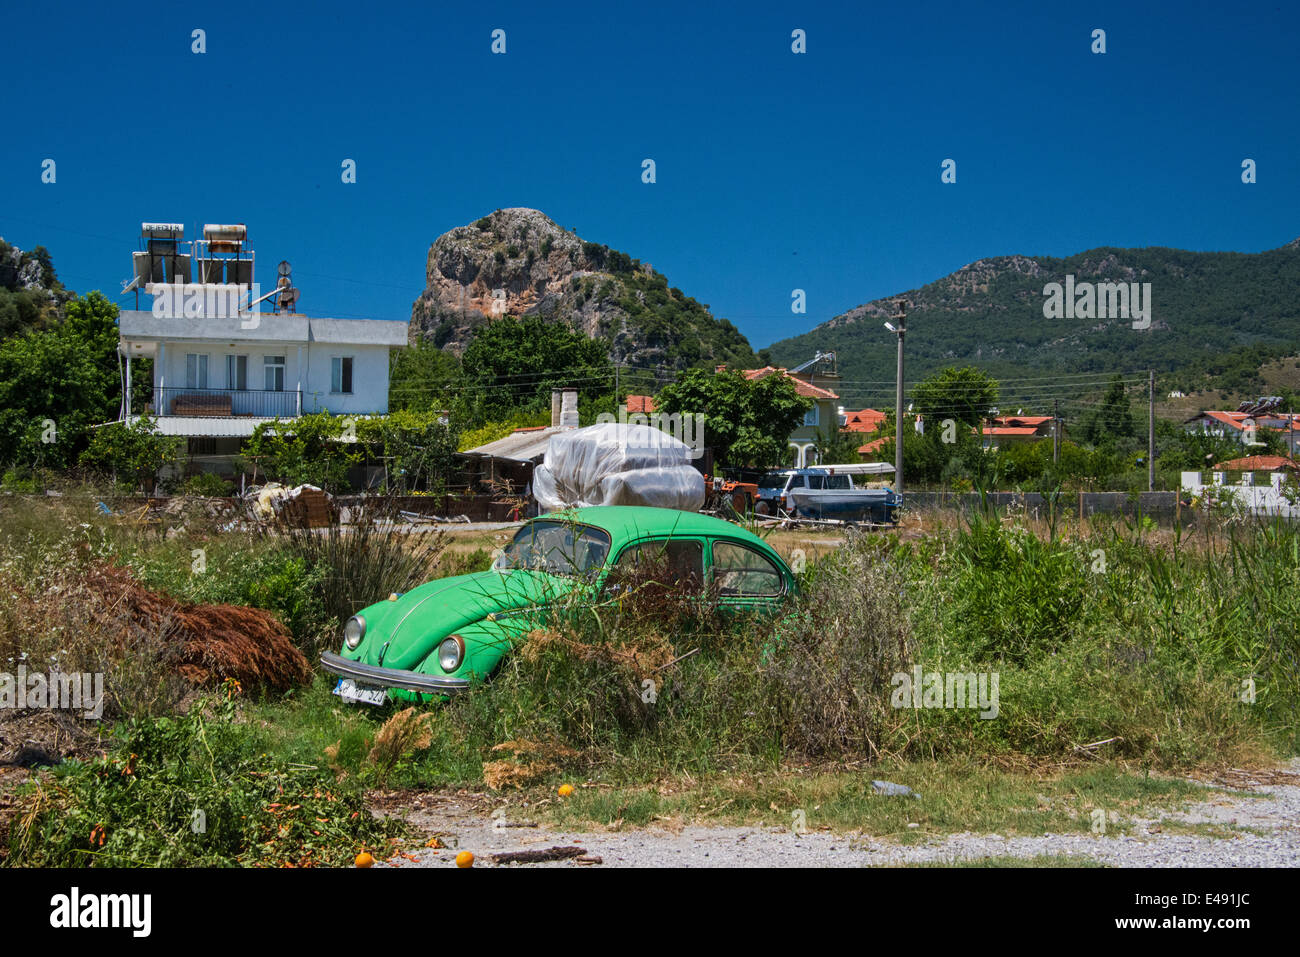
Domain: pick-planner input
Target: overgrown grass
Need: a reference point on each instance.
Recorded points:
(1111, 640)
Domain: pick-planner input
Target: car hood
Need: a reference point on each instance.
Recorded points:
(405, 631)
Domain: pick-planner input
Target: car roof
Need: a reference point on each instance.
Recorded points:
(633, 521)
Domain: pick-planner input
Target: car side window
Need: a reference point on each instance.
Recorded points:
(669, 561)
(739, 570)
(816, 481)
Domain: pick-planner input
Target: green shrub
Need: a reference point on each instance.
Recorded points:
(207, 484)
(194, 791)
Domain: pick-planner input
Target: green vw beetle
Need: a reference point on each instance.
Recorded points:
(447, 634)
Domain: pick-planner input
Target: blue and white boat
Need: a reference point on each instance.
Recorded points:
(828, 493)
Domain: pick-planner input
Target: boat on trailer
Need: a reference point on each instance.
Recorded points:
(829, 493)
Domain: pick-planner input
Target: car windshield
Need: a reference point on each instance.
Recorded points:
(560, 548)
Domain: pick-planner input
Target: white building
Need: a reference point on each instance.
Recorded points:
(1268, 499)
(221, 367)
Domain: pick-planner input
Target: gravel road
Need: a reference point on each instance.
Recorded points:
(1270, 811)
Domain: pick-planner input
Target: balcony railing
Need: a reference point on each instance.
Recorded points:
(255, 403)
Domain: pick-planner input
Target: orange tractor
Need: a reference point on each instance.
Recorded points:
(726, 497)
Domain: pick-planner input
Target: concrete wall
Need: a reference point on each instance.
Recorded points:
(1162, 506)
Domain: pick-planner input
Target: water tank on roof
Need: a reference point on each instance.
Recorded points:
(214, 232)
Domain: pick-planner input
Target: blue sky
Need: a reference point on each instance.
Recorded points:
(775, 171)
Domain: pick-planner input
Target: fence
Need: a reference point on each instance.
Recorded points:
(255, 403)
(1162, 506)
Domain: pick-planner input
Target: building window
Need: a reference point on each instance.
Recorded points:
(341, 374)
(274, 367)
(237, 372)
(810, 417)
(196, 371)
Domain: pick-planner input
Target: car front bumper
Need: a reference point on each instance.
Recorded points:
(393, 678)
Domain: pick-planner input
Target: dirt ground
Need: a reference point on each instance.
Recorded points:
(1254, 822)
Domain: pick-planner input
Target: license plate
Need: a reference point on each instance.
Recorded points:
(349, 690)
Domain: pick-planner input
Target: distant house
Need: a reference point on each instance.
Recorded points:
(823, 416)
(1008, 429)
(640, 404)
(1237, 424)
(867, 421)
(221, 368)
(870, 449)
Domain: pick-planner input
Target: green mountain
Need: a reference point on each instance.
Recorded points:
(1215, 318)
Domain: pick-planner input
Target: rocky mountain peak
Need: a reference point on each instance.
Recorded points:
(519, 262)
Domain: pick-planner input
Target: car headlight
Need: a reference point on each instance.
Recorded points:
(451, 653)
(354, 631)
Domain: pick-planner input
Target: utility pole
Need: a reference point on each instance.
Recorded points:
(1291, 428)
(901, 318)
(1056, 430)
(1151, 430)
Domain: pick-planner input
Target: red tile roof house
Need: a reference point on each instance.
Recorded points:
(1233, 424)
(640, 404)
(874, 446)
(1005, 429)
(823, 415)
(1258, 463)
(866, 421)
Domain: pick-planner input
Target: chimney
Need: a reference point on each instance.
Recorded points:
(555, 407)
(569, 409)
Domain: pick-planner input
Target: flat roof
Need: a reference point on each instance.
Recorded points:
(140, 324)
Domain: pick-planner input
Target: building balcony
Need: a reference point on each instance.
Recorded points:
(227, 403)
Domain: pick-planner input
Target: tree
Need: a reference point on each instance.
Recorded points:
(1113, 420)
(316, 449)
(56, 383)
(746, 422)
(418, 450)
(134, 452)
(966, 395)
(515, 363)
(424, 378)
(835, 447)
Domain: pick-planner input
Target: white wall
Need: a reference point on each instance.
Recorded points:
(1256, 499)
(369, 379)
(369, 372)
